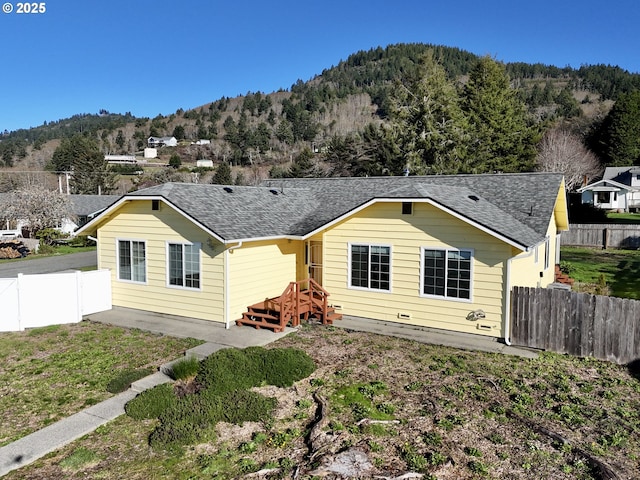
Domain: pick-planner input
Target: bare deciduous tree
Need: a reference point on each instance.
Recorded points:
(36, 206)
(563, 152)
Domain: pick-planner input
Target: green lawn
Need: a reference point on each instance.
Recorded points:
(620, 269)
(442, 412)
(624, 217)
(52, 372)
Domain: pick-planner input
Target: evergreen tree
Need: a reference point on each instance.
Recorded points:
(502, 137)
(222, 175)
(120, 139)
(178, 132)
(303, 166)
(90, 172)
(428, 122)
(620, 134)
(175, 161)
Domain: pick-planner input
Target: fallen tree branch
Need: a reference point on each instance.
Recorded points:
(319, 442)
(370, 421)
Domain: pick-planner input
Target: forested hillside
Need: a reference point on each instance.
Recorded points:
(422, 108)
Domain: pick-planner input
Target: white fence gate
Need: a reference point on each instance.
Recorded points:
(30, 301)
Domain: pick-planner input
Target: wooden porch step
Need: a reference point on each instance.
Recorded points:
(260, 320)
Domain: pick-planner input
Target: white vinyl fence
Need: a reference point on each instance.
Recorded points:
(30, 301)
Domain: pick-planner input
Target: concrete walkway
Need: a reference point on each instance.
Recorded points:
(34, 446)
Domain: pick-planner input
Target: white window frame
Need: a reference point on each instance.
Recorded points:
(119, 273)
(547, 252)
(369, 246)
(446, 253)
(198, 247)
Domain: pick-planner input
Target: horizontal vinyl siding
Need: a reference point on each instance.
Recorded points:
(260, 270)
(384, 224)
(137, 221)
(525, 272)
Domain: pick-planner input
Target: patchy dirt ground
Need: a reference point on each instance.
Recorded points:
(400, 409)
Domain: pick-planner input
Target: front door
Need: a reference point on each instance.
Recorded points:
(315, 261)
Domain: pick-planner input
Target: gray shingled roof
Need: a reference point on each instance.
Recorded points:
(234, 212)
(515, 206)
(87, 205)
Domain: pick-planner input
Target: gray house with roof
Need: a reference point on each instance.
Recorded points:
(436, 251)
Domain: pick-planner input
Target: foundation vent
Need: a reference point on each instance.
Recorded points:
(404, 316)
(485, 328)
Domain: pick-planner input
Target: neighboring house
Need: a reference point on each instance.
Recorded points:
(154, 142)
(120, 159)
(204, 163)
(84, 207)
(202, 142)
(619, 189)
(437, 251)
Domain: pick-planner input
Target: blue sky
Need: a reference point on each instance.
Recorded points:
(151, 57)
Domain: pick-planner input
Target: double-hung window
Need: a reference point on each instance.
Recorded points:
(132, 262)
(184, 264)
(446, 273)
(370, 267)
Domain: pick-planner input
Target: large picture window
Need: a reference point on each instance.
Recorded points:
(370, 267)
(446, 273)
(132, 263)
(184, 265)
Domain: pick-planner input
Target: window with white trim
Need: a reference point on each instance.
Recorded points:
(184, 264)
(547, 252)
(446, 273)
(132, 262)
(370, 267)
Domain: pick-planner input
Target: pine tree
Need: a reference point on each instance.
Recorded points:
(621, 131)
(90, 172)
(222, 175)
(428, 122)
(503, 138)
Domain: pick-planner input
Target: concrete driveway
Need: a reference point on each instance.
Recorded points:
(30, 266)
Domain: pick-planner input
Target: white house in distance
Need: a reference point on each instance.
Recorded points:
(619, 189)
(155, 142)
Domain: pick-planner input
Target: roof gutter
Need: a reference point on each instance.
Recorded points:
(227, 308)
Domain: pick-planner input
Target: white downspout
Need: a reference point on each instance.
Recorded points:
(227, 308)
(507, 301)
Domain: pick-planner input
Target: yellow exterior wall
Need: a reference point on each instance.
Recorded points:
(260, 270)
(427, 226)
(527, 272)
(157, 228)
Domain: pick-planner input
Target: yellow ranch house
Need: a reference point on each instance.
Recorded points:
(433, 251)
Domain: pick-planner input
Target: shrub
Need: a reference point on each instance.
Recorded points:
(246, 406)
(184, 369)
(189, 420)
(280, 367)
(285, 366)
(225, 377)
(125, 378)
(231, 369)
(151, 403)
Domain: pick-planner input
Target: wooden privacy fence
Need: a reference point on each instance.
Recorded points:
(605, 235)
(579, 324)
